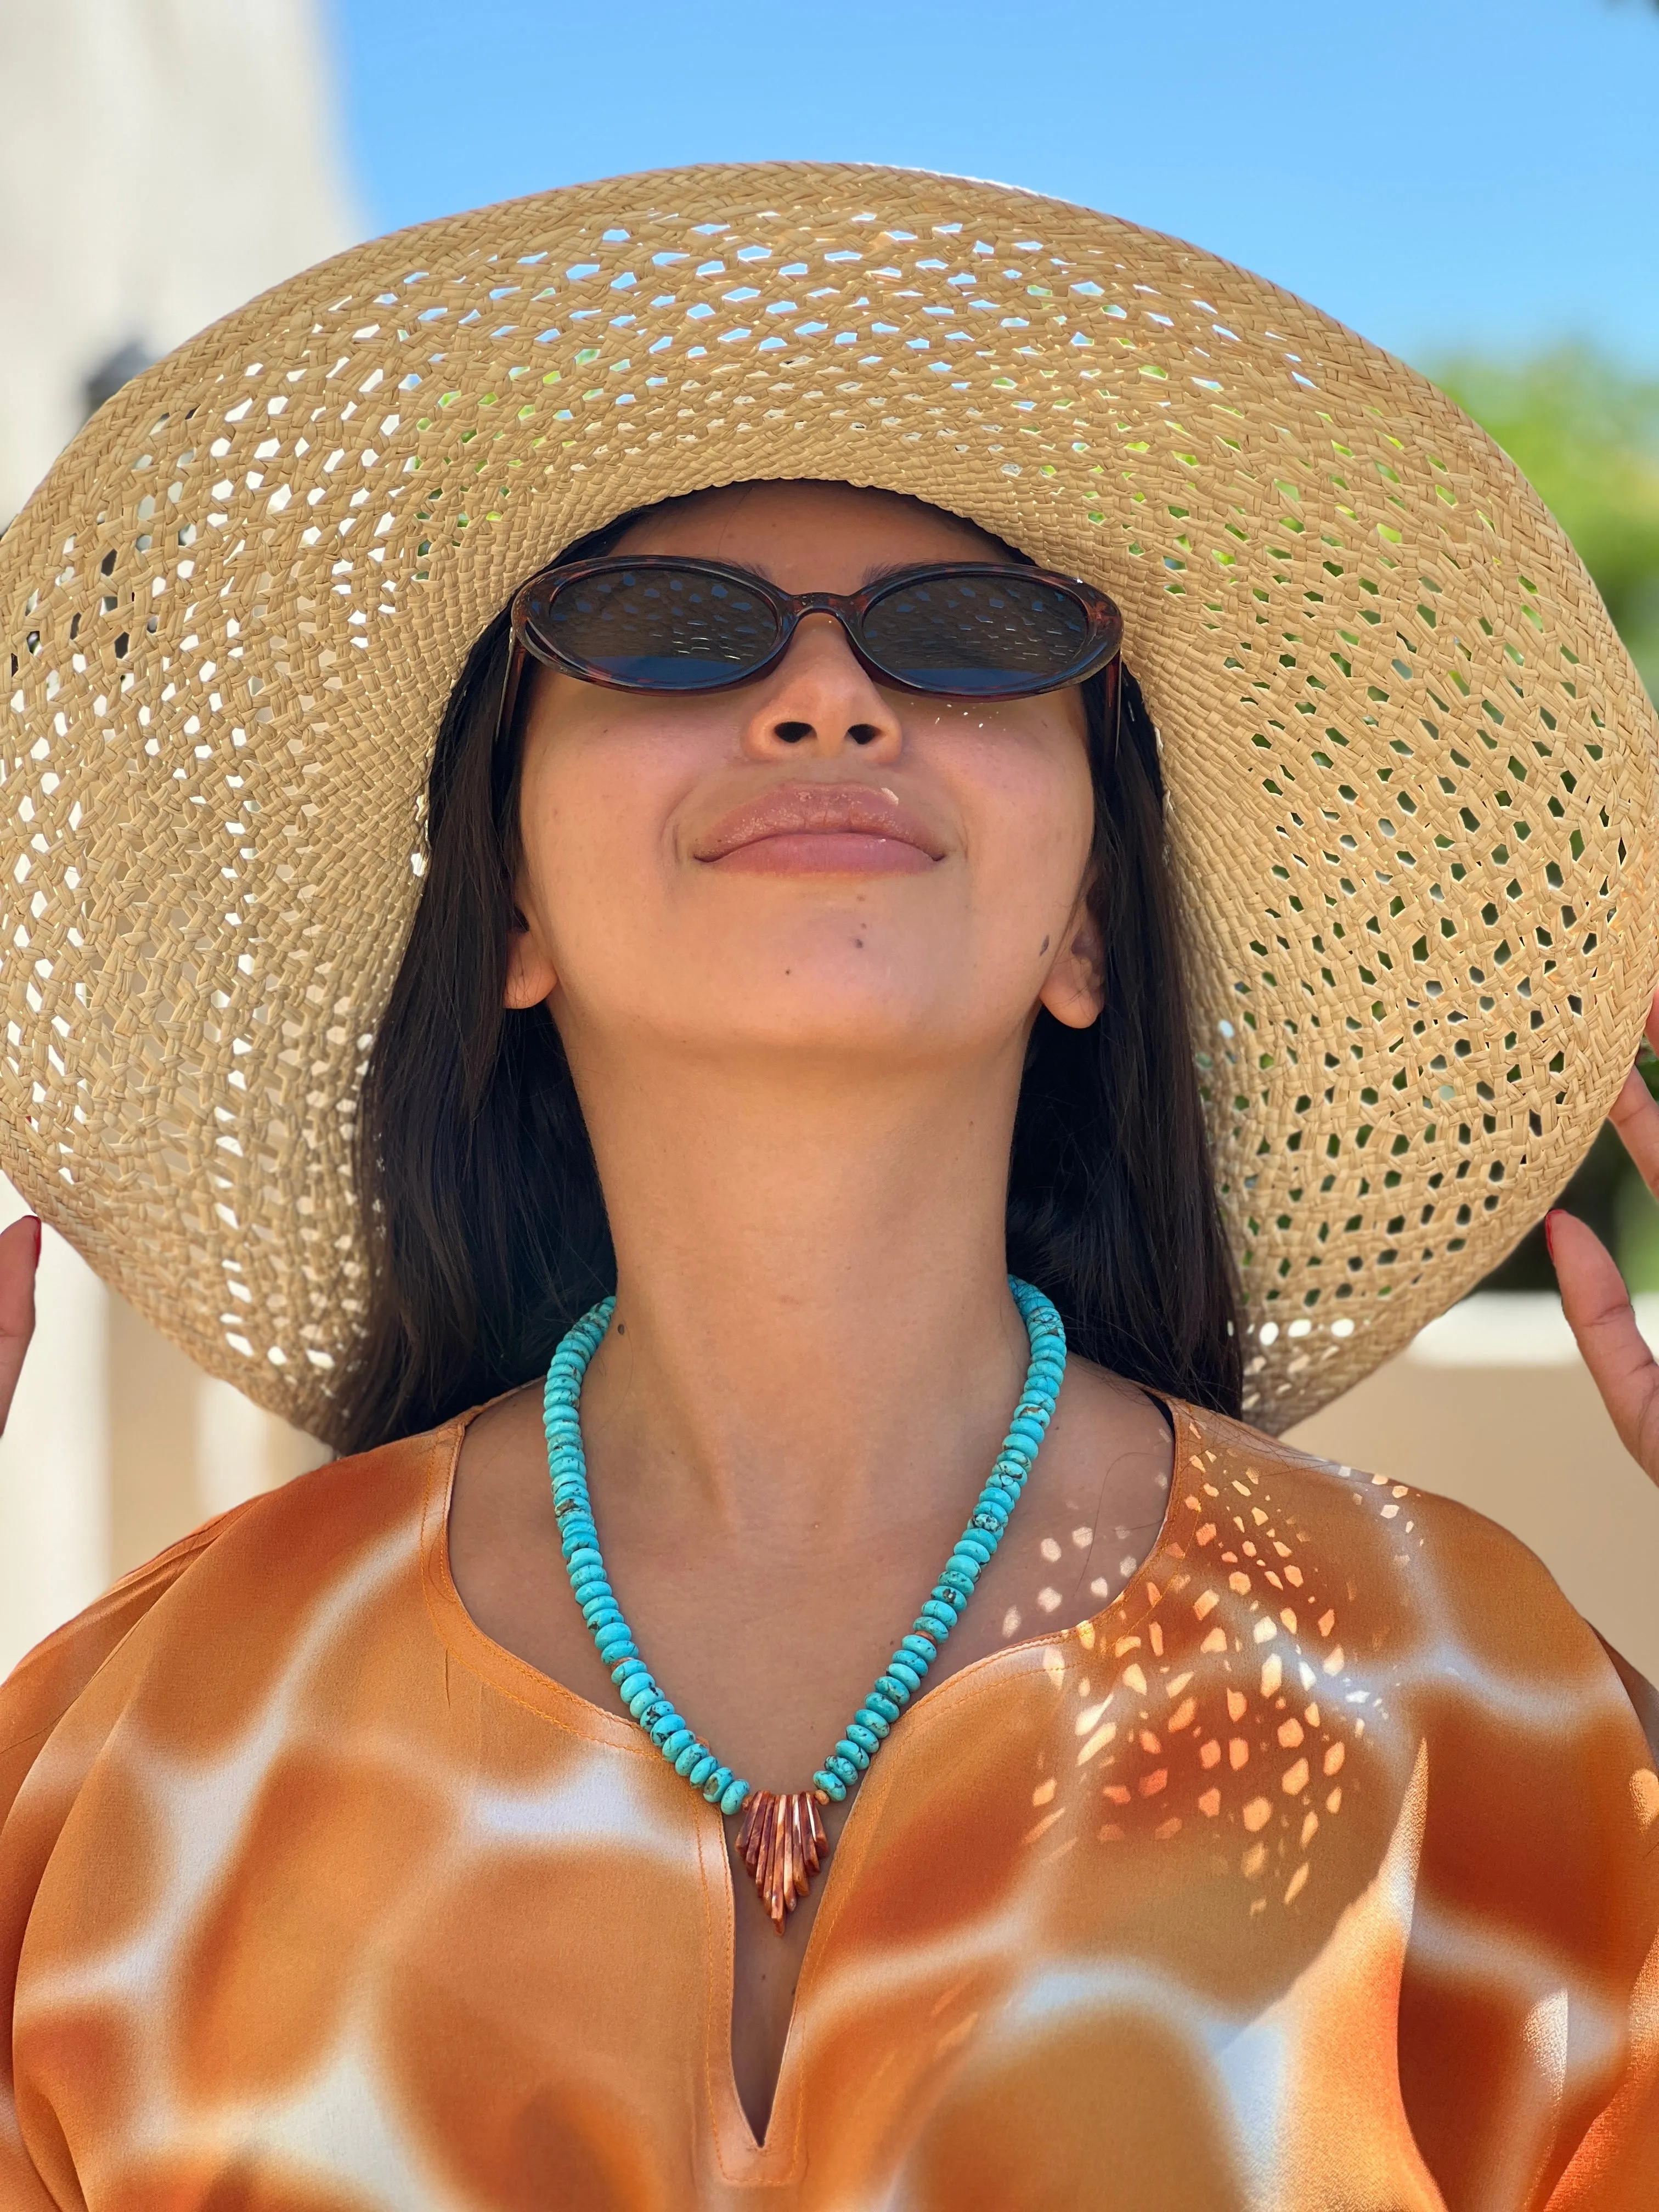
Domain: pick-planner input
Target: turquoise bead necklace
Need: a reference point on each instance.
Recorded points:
(782, 1838)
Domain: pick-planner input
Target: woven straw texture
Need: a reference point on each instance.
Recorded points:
(1411, 770)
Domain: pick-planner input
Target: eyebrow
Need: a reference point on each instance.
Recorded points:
(883, 569)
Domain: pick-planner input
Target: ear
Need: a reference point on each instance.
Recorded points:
(531, 975)
(1075, 989)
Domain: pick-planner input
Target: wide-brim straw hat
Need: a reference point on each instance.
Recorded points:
(1410, 771)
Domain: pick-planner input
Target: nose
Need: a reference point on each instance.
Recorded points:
(819, 700)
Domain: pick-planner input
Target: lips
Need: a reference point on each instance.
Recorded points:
(815, 826)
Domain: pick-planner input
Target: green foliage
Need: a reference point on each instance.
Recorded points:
(1586, 434)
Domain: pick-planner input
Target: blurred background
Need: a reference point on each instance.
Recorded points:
(1475, 187)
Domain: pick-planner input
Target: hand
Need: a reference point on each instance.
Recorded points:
(20, 1255)
(1593, 1294)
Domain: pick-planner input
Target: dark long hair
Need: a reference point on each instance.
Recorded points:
(485, 1222)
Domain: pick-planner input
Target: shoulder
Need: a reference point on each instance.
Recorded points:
(1406, 1538)
(1465, 1625)
(244, 1581)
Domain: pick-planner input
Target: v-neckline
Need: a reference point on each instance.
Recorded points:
(745, 2157)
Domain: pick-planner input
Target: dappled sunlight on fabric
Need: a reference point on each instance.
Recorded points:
(1321, 1860)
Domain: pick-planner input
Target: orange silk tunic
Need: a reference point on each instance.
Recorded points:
(1320, 1870)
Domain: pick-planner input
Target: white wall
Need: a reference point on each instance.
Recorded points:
(160, 162)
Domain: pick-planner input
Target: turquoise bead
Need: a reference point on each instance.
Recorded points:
(902, 1676)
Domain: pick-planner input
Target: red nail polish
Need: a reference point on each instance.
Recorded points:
(35, 1218)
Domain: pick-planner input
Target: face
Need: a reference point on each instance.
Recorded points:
(811, 865)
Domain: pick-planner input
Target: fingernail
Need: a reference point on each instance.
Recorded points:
(1549, 1235)
(35, 1218)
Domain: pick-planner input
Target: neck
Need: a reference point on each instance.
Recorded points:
(815, 1322)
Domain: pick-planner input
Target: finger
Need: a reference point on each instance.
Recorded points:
(20, 1255)
(1650, 1027)
(1635, 1114)
(1598, 1310)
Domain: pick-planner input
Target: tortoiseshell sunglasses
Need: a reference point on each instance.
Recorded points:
(957, 630)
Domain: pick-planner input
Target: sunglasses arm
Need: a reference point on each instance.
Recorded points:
(512, 680)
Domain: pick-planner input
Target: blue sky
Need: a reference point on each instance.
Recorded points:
(1465, 174)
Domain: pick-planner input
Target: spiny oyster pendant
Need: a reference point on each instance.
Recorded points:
(783, 1845)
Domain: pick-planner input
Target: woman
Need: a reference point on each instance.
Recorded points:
(794, 953)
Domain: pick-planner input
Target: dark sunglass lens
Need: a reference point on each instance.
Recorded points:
(670, 629)
(977, 635)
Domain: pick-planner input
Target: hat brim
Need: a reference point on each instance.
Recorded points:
(1410, 767)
